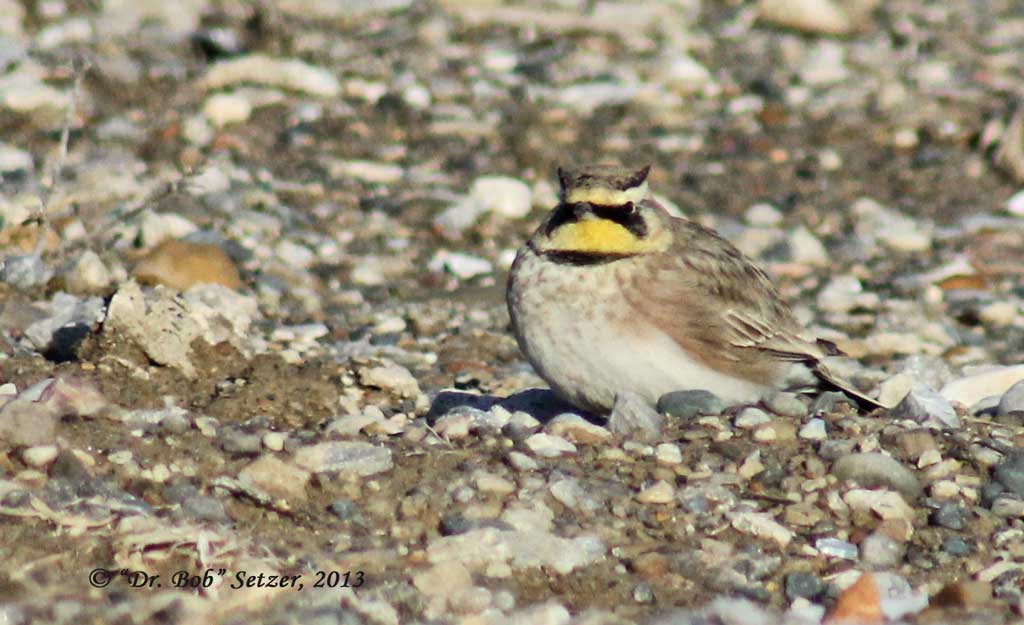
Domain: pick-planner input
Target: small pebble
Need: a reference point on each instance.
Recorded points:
(875, 469)
(814, 430)
(633, 417)
(661, 492)
(668, 453)
(836, 548)
(223, 109)
(879, 551)
(1012, 400)
(956, 546)
(751, 418)
(786, 404)
(949, 515)
(40, 455)
(806, 585)
(549, 446)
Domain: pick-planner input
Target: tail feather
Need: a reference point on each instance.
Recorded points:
(863, 401)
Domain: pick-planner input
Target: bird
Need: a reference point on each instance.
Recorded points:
(612, 294)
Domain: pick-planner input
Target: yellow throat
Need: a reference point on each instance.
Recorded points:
(598, 236)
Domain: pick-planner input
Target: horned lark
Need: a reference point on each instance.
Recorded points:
(613, 294)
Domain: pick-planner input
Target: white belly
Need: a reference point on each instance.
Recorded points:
(584, 339)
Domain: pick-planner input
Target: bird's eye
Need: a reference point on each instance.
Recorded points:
(630, 208)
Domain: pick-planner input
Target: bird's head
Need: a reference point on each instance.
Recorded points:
(605, 213)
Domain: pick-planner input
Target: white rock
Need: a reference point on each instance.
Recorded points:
(462, 266)
(522, 462)
(752, 417)
(925, 405)
(549, 613)
(417, 96)
(453, 221)
(992, 382)
(1000, 314)
(892, 228)
(509, 197)
(661, 492)
(487, 482)
(370, 91)
(155, 228)
(814, 430)
(355, 457)
(668, 453)
(295, 254)
(548, 446)
(24, 92)
(1015, 205)
(577, 429)
(276, 477)
(893, 389)
(274, 441)
(197, 130)
(824, 64)
(223, 109)
(12, 159)
(391, 377)
(160, 324)
(886, 504)
(817, 16)
(87, 274)
(367, 171)
(685, 73)
(265, 70)
(587, 97)
(762, 526)
(830, 160)
(40, 455)
(763, 215)
(633, 417)
(807, 248)
(843, 294)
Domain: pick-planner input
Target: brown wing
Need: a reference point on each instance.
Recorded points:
(717, 304)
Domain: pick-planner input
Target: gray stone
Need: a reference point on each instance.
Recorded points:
(344, 456)
(348, 511)
(956, 546)
(87, 273)
(690, 404)
(65, 312)
(949, 515)
(237, 441)
(806, 585)
(829, 401)
(836, 548)
(873, 470)
(1010, 473)
(879, 551)
(1012, 400)
(786, 404)
(14, 160)
(633, 417)
(925, 405)
(24, 271)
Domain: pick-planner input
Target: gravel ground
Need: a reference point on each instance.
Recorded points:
(255, 365)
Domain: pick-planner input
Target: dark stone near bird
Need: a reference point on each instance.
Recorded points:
(690, 404)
